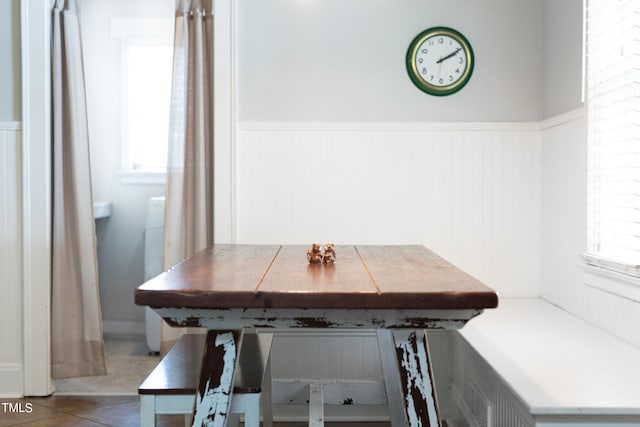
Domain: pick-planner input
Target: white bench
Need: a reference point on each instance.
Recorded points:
(529, 363)
(171, 386)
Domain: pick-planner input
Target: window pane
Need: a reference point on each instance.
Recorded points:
(149, 70)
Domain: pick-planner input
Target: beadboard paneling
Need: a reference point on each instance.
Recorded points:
(564, 209)
(470, 192)
(605, 300)
(10, 260)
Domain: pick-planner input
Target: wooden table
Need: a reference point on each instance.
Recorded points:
(397, 290)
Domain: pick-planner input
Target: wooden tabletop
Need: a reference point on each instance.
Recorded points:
(272, 276)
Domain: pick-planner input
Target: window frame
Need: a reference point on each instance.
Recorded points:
(596, 260)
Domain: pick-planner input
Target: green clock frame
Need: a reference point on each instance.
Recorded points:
(412, 67)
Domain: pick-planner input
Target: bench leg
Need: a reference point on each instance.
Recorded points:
(265, 396)
(215, 386)
(316, 405)
(252, 410)
(408, 378)
(147, 411)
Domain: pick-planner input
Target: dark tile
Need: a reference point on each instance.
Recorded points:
(170, 421)
(63, 420)
(75, 404)
(126, 414)
(21, 411)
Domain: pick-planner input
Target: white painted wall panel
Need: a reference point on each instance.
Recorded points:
(10, 260)
(564, 209)
(611, 302)
(470, 192)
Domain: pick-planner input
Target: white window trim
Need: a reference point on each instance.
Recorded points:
(142, 176)
(611, 282)
(630, 270)
(606, 260)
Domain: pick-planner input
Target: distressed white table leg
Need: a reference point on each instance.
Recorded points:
(147, 410)
(215, 386)
(389, 362)
(316, 405)
(408, 378)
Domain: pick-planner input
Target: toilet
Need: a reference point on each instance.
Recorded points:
(153, 266)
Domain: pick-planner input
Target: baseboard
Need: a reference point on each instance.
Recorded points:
(123, 329)
(11, 380)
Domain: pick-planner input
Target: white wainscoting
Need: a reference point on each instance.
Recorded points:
(11, 368)
(564, 209)
(470, 192)
(608, 300)
(349, 361)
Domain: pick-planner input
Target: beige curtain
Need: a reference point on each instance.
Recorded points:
(77, 348)
(188, 218)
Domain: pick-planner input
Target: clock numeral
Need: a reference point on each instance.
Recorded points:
(420, 60)
(450, 78)
(424, 51)
(440, 40)
(460, 60)
(458, 70)
(441, 81)
(431, 77)
(424, 71)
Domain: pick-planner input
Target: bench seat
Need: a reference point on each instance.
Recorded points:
(557, 367)
(171, 387)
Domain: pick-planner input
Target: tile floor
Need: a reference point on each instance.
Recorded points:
(128, 364)
(97, 411)
(109, 400)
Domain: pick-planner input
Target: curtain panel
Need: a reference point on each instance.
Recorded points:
(77, 347)
(188, 221)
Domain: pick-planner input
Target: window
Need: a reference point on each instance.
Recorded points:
(148, 96)
(613, 99)
(146, 65)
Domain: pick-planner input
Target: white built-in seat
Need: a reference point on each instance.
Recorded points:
(558, 369)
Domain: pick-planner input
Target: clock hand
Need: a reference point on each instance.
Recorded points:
(452, 54)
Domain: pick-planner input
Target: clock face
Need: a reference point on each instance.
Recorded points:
(440, 61)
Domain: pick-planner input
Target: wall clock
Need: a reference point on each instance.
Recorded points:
(440, 61)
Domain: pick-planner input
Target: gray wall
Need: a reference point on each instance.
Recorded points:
(562, 56)
(10, 97)
(343, 60)
(305, 61)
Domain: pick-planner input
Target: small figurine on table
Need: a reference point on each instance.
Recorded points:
(314, 255)
(329, 254)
